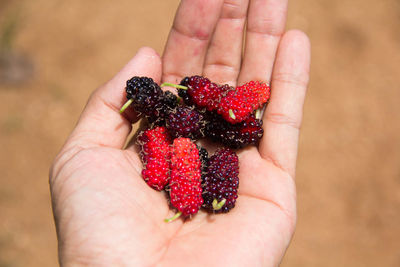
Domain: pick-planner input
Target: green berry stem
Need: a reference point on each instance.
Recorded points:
(258, 114)
(176, 216)
(218, 205)
(126, 105)
(231, 114)
(174, 85)
(214, 203)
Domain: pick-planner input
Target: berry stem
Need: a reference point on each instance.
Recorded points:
(174, 85)
(176, 216)
(232, 115)
(218, 205)
(126, 105)
(258, 114)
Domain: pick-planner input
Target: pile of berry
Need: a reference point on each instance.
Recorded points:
(172, 161)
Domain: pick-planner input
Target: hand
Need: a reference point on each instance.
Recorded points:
(105, 213)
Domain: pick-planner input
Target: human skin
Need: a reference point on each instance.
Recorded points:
(106, 215)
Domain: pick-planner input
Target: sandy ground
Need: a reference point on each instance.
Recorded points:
(348, 174)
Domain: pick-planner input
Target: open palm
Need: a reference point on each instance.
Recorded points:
(105, 213)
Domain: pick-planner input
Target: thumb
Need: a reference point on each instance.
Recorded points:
(100, 123)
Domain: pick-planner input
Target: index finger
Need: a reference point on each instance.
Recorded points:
(100, 123)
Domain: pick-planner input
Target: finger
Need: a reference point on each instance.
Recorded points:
(101, 124)
(265, 26)
(224, 55)
(283, 115)
(189, 38)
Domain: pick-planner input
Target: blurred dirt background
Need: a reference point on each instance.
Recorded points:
(53, 53)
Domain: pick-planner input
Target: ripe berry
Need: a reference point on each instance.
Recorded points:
(221, 183)
(202, 92)
(247, 132)
(169, 101)
(144, 95)
(185, 183)
(185, 122)
(155, 155)
(237, 105)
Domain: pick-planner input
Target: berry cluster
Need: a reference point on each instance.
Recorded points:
(234, 104)
(171, 159)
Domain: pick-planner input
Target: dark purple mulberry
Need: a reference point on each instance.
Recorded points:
(183, 93)
(238, 135)
(185, 122)
(169, 101)
(146, 96)
(221, 181)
